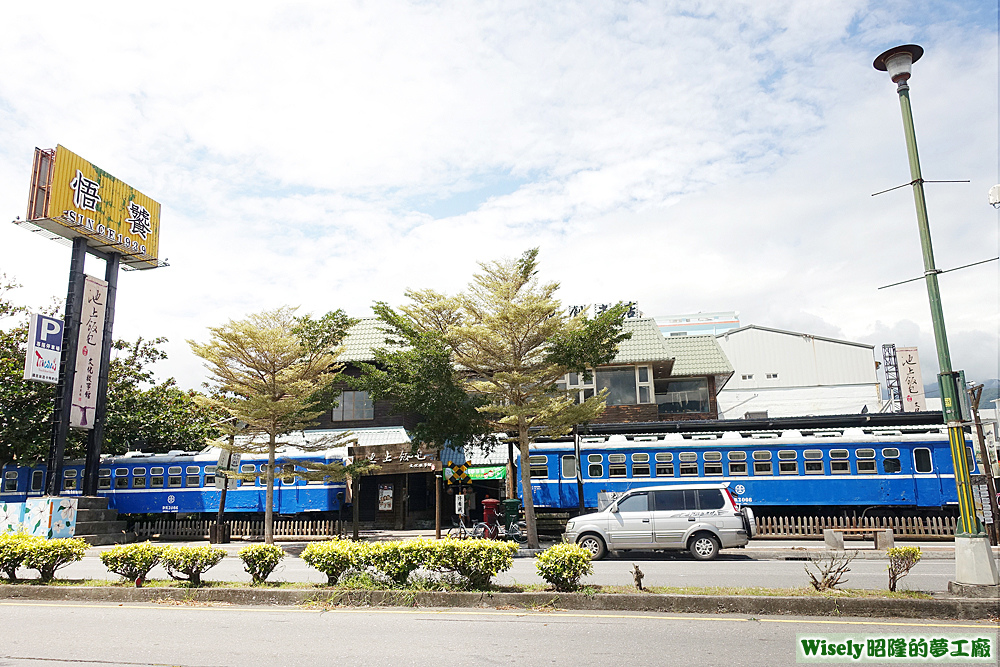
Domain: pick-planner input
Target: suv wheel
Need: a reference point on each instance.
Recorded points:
(593, 544)
(704, 547)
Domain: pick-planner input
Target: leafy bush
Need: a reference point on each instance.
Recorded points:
(47, 556)
(901, 561)
(14, 549)
(563, 565)
(132, 562)
(396, 560)
(260, 560)
(192, 562)
(332, 558)
(476, 560)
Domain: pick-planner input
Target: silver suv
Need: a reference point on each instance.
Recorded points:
(701, 518)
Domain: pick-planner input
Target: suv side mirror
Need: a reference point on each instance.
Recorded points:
(613, 508)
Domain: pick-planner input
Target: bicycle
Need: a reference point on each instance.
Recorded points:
(460, 531)
(518, 531)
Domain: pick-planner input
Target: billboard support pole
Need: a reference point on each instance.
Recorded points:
(64, 389)
(95, 439)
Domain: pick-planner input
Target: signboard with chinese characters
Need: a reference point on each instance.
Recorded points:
(395, 459)
(230, 462)
(44, 350)
(599, 309)
(88, 353)
(911, 382)
(71, 197)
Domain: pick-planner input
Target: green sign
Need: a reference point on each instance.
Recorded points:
(488, 472)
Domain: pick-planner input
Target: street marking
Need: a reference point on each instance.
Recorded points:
(480, 612)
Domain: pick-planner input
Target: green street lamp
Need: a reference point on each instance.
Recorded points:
(974, 563)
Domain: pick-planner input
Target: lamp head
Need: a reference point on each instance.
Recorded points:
(898, 60)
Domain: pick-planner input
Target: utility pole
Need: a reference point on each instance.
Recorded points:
(974, 563)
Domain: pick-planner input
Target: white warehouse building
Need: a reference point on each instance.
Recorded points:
(788, 374)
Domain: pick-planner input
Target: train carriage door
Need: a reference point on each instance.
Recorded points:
(568, 494)
(926, 480)
(286, 491)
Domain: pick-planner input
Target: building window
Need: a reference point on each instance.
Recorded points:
(748, 376)
(353, 405)
(772, 376)
(681, 396)
(620, 382)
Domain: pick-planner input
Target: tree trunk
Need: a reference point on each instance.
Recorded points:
(355, 511)
(269, 499)
(529, 503)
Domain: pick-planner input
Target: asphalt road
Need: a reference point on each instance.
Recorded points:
(50, 634)
(659, 570)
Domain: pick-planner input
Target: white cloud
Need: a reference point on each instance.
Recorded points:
(709, 158)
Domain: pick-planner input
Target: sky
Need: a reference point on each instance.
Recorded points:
(689, 156)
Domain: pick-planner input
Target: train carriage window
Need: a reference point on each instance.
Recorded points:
(37, 480)
(640, 464)
(890, 460)
(192, 470)
(174, 470)
(139, 478)
(616, 465)
(737, 463)
(787, 463)
(970, 459)
(762, 463)
(594, 467)
(192, 480)
(814, 461)
(104, 478)
(69, 480)
(10, 481)
(155, 482)
(210, 475)
(121, 478)
(538, 466)
(922, 460)
(838, 463)
(288, 474)
(689, 464)
(156, 470)
(664, 464)
(175, 481)
(713, 463)
(568, 466)
(866, 461)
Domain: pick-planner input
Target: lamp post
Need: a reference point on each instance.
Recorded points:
(974, 562)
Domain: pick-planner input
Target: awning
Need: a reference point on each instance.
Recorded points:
(488, 472)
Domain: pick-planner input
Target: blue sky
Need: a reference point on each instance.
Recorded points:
(705, 159)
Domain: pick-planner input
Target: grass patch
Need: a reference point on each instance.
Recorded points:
(734, 591)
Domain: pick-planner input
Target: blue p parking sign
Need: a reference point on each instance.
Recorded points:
(41, 362)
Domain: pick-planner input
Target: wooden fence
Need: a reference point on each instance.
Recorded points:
(198, 528)
(930, 528)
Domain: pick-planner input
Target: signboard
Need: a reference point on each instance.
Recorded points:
(385, 497)
(228, 461)
(88, 353)
(395, 459)
(599, 309)
(488, 472)
(911, 381)
(460, 504)
(71, 197)
(41, 361)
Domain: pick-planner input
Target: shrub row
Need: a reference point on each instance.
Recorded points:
(37, 553)
(476, 561)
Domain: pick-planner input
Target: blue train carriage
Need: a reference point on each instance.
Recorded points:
(842, 469)
(184, 483)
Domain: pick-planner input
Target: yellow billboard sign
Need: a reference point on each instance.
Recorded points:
(71, 197)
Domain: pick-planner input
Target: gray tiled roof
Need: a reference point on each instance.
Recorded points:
(646, 343)
(698, 355)
(364, 337)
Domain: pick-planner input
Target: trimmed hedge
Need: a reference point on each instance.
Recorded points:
(47, 556)
(132, 562)
(563, 565)
(332, 558)
(260, 560)
(477, 561)
(14, 548)
(191, 562)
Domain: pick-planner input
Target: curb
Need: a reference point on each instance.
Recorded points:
(949, 608)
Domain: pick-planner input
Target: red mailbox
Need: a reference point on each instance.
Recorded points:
(490, 508)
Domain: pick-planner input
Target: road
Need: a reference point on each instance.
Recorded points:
(50, 634)
(659, 570)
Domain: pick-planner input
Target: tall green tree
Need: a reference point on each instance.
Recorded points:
(273, 371)
(512, 336)
(417, 375)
